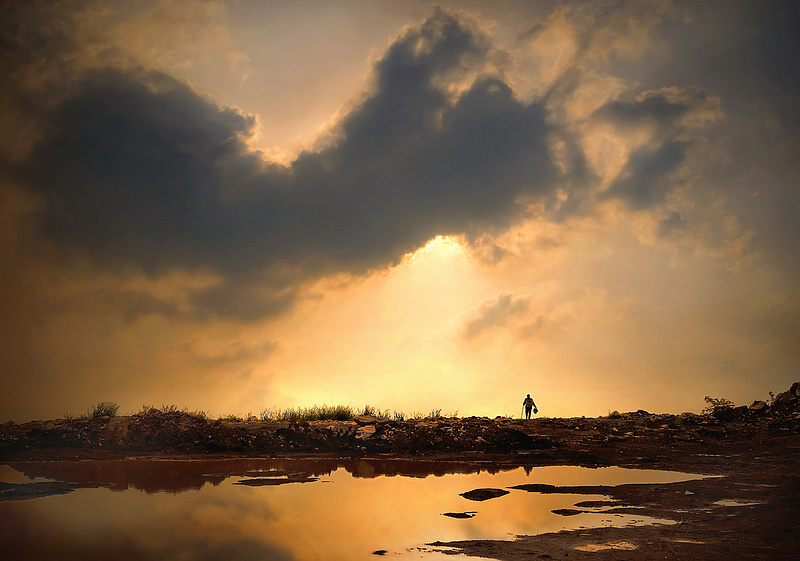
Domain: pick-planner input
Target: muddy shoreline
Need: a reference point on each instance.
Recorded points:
(751, 510)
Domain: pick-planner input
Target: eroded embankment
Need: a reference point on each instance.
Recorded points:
(631, 438)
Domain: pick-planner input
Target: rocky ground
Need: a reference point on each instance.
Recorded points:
(751, 512)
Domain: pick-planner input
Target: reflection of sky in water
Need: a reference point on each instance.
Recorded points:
(339, 517)
(10, 475)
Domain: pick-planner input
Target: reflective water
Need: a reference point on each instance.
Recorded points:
(299, 510)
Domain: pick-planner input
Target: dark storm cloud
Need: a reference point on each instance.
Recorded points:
(760, 63)
(140, 172)
(648, 176)
(655, 108)
(646, 180)
(133, 171)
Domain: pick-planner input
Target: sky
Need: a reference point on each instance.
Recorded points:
(237, 206)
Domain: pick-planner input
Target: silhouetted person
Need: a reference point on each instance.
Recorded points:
(528, 404)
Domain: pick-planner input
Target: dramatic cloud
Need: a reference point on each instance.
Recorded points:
(666, 117)
(139, 171)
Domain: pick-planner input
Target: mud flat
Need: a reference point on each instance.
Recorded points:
(750, 510)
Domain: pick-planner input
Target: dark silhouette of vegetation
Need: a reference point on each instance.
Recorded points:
(102, 409)
(167, 409)
(716, 404)
(313, 413)
(340, 413)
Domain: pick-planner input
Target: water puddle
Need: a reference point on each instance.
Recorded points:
(292, 510)
(737, 502)
(618, 545)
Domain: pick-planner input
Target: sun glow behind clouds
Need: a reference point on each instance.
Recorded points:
(390, 340)
(441, 245)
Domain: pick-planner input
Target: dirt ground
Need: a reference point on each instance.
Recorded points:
(751, 510)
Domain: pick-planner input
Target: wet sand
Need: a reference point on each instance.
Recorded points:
(751, 511)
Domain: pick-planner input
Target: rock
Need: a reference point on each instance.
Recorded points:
(566, 511)
(724, 414)
(484, 494)
(758, 407)
(365, 432)
(460, 514)
(789, 400)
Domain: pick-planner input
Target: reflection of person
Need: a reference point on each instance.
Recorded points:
(528, 404)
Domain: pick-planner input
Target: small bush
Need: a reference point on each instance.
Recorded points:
(166, 409)
(102, 409)
(337, 413)
(716, 404)
(615, 415)
(268, 414)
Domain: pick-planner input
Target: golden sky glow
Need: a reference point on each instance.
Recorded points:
(236, 206)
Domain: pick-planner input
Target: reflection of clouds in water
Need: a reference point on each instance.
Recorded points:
(10, 475)
(53, 541)
(339, 518)
(153, 476)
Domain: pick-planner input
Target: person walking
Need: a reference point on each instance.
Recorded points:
(528, 404)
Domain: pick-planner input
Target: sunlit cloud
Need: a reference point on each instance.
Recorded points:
(497, 312)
